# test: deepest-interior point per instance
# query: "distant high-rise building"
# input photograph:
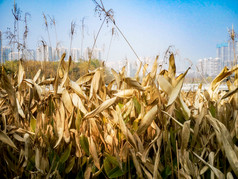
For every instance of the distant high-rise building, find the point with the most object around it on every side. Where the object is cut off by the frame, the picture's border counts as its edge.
(50, 55)
(75, 54)
(14, 56)
(62, 50)
(44, 53)
(209, 66)
(131, 68)
(225, 53)
(41, 54)
(96, 54)
(5, 54)
(29, 54)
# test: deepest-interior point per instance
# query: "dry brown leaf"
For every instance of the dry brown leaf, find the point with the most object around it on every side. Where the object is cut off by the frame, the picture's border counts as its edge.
(17, 137)
(227, 143)
(126, 132)
(185, 136)
(230, 93)
(95, 84)
(20, 111)
(154, 68)
(175, 92)
(172, 67)
(6, 85)
(216, 171)
(56, 83)
(37, 75)
(84, 79)
(229, 176)
(66, 74)
(38, 159)
(21, 73)
(147, 119)
(147, 173)
(127, 93)
(136, 164)
(67, 101)
(157, 157)
(47, 81)
(5, 139)
(211, 162)
(117, 78)
(186, 111)
(134, 84)
(78, 103)
(26, 151)
(60, 117)
(165, 84)
(66, 129)
(137, 72)
(106, 104)
(93, 151)
(76, 88)
(88, 171)
(222, 75)
(145, 69)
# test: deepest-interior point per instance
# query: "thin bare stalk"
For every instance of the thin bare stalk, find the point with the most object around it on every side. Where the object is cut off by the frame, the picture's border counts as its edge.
(201, 75)
(109, 16)
(72, 31)
(47, 29)
(95, 40)
(82, 37)
(52, 22)
(110, 44)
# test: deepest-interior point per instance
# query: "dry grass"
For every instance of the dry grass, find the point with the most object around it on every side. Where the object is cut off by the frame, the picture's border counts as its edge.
(53, 128)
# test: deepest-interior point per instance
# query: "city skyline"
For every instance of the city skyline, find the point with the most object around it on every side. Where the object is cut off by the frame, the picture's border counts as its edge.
(208, 66)
(47, 53)
(193, 28)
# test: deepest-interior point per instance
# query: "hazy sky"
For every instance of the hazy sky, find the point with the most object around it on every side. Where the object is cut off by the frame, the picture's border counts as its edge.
(192, 27)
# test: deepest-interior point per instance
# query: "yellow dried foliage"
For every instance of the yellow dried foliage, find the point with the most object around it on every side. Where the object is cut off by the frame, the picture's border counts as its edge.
(57, 127)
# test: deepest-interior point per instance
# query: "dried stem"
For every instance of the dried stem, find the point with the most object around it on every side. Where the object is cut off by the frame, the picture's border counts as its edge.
(109, 16)
(95, 40)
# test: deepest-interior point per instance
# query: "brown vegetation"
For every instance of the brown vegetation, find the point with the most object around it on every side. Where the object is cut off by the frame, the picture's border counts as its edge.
(54, 126)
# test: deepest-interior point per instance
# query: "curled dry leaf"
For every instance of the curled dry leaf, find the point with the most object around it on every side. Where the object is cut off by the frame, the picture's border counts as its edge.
(126, 132)
(77, 102)
(137, 72)
(21, 73)
(93, 151)
(117, 78)
(95, 84)
(133, 83)
(5, 139)
(84, 79)
(76, 88)
(172, 67)
(216, 171)
(67, 101)
(147, 119)
(185, 136)
(222, 75)
(136, 164)
(60, 118)
(127, 93)
(106, 104)
(227, 143)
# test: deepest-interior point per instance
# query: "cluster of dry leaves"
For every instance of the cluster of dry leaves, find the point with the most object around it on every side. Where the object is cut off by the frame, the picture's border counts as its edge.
(129, 128)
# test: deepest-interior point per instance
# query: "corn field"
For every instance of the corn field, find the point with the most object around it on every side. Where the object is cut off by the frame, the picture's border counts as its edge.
(141, 127)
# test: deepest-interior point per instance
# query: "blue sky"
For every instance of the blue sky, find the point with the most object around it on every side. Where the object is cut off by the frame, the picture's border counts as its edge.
(192, 27)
